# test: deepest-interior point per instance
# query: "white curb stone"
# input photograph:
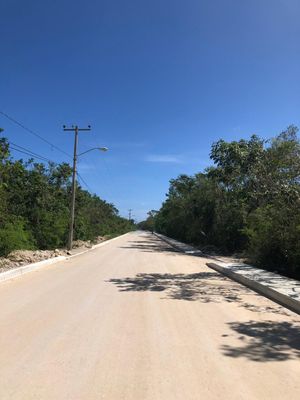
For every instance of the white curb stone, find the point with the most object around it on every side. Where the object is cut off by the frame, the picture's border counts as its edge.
(13, 273)
(278, 288)
(19, 271)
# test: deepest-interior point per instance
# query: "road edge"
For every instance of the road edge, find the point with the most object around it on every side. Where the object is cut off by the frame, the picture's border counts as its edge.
(20, 271)
(272, 294)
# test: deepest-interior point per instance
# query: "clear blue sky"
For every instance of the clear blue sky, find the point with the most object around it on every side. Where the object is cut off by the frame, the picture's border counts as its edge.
(158, 80)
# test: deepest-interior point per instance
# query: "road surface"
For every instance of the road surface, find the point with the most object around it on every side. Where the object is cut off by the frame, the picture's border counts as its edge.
(136, 320)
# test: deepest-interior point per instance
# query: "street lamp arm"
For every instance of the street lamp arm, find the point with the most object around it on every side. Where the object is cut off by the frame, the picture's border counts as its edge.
(94, 148)
(76, 129)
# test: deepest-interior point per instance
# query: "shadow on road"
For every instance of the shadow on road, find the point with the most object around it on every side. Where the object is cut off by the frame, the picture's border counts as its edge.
(151, 245)
(181, 286)
(264, 341)
(206, 287)
(260, 341)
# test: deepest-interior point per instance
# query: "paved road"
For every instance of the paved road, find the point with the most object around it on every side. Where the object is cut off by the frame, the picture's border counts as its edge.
(136, 320)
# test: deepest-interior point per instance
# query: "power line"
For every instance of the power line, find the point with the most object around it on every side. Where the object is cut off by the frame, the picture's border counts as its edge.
(33, 133)
(28, 152)
(23, 150)
(83, 181)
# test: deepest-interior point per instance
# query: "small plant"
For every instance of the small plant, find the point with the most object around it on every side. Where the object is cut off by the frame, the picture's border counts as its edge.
(13, 236)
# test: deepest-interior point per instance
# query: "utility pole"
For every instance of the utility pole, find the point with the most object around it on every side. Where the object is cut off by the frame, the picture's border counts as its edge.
(75, 129)
(129, 214)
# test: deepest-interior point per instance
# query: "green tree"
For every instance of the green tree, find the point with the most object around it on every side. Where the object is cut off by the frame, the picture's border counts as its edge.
(249, 200)
(35, 202)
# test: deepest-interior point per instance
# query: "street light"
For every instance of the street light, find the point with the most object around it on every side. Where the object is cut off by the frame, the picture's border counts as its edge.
(72, 211)
(71, 229)
(94, 148)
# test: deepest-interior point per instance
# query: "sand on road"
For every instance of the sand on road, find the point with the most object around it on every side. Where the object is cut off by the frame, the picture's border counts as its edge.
(137, 320)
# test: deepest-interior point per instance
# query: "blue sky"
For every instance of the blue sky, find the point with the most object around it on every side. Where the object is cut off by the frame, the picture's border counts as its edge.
(159, 81)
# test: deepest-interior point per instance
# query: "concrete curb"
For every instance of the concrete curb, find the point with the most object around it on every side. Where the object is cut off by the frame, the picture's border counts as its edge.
(167, 240)
(19, 271)
(185, 248)
(13, 273)
(282, 290)
(96, 246)
(110, 240)
(259, 287)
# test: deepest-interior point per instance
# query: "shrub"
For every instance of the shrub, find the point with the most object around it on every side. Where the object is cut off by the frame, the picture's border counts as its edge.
(14, 236)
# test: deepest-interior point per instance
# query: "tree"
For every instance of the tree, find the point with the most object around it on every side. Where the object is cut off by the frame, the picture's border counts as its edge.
(249, 201)
(34, 206)
(149, 223)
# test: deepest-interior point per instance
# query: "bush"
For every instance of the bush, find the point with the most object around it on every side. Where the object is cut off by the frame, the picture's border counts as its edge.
(274, 236)
(249, 202)
(13, 236)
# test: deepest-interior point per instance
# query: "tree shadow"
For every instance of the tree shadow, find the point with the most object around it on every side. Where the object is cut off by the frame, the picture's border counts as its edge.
(153, 245)
(205, 287)
(265, 341)
(202, 286)
(274, 309)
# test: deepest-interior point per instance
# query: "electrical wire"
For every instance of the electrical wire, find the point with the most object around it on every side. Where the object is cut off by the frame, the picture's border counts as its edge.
(83, 181)
(29, 152)
(34, 133)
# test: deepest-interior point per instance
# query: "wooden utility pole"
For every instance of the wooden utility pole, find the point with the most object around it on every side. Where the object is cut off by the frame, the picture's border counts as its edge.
(75, 129)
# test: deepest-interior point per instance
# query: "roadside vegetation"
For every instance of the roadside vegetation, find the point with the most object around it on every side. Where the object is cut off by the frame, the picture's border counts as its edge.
(34, 206)
(247, 202)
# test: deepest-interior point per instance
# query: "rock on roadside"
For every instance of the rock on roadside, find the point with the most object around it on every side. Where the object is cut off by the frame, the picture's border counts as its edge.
(18, 258)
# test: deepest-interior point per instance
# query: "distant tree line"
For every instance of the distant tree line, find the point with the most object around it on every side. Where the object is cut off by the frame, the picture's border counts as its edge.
(149, 223)
(34, 206)
(249, 202)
